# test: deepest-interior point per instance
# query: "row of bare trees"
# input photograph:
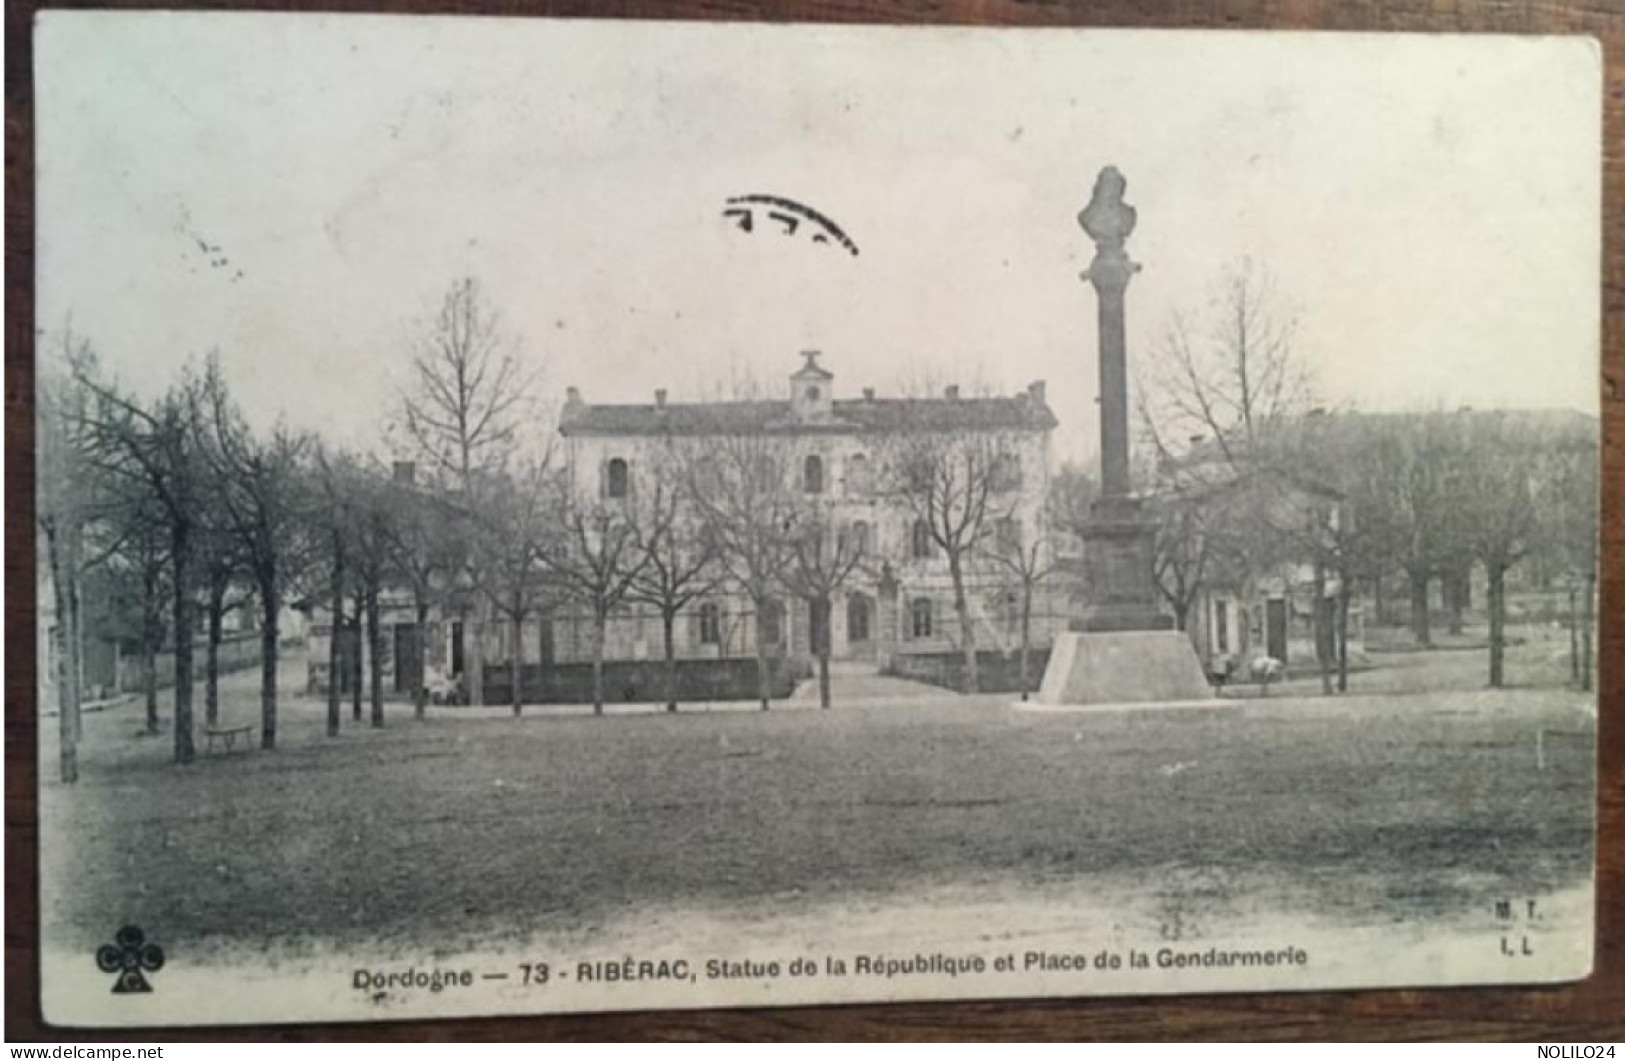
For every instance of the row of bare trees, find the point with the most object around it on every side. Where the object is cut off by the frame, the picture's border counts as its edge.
(177, 504)
(172, 502)
(1249, 475)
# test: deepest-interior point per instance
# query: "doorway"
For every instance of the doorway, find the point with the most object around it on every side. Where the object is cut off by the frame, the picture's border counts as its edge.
(1275, 629)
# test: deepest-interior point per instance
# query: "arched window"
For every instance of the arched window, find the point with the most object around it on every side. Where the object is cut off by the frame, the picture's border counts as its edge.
(857, 618)
(812, 475)
(919, 617)
(617, 480)
(859, 538)
(710, 624)
(857, 474)
(920, 540)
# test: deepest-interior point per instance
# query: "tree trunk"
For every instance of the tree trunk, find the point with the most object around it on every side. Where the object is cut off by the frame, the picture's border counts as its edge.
(1497, 577)
(1026, 638)
(151, 619)
(334, 660)
(819, 614)
(1344, 594)
(149, 679)
(181, 555)
(375, 658)
(420, 693)
(1323, 656)
(1376, 599)
(67, 652)
(764, 687)
(967, 635)
(600, 624)
(270, 654)
(668, 622)
(211, 658)
(474, 657)
(357, 683)
(1574, 637)
(1420, 627)
(516, 634)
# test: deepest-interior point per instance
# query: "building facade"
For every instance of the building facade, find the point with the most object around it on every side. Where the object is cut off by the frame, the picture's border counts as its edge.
(841, 451)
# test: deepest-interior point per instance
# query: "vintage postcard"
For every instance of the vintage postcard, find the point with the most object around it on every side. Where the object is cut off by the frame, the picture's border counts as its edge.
(546, 515)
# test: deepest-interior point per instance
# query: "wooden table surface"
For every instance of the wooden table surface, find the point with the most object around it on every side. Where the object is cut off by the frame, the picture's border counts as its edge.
(1586, 1012)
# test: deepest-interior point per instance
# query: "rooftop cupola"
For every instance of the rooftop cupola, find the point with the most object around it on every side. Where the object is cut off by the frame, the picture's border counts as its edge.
(812, 389)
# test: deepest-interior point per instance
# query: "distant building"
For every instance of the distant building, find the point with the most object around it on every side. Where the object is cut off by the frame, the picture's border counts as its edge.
(898, 603)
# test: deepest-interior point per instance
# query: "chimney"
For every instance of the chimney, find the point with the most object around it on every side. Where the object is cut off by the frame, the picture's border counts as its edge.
(952, 392)
(868, 394)
(405, 472)
(660, 398)
(572, 397)
(1035, 391)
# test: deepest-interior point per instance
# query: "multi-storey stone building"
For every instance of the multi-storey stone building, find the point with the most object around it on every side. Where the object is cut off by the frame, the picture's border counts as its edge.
(899, 602)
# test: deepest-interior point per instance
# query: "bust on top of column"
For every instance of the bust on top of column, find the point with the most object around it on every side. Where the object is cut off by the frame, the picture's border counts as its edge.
(1109, 221)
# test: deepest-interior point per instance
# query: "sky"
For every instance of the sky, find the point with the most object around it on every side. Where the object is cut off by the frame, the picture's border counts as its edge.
(297, 192)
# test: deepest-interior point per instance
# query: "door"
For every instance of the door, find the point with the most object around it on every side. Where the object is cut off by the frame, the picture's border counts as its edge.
(1275, 629)
(457, 648)
(859, 619)
(408, 661)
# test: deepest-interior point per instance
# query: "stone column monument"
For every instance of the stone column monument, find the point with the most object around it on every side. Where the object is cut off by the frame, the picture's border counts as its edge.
(1121, 648)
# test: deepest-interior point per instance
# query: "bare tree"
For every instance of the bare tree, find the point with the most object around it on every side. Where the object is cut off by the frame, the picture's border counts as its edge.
(1183, 548)
(332, 510)
(595, 557)
(153, 448)
(1072, 493)
(822, 556)
(65, 505)
(1423, 465)
(1568, 502)
(219, 565)
(739, 484)
(955, 483)
(1027, 561)
(466, 387)
(462, 409)
(425, 555)
(258, 506)
(511, 515)
(1228, 376)
(371, 515)
(1217, 390)
(679, 564)
(1501, 478)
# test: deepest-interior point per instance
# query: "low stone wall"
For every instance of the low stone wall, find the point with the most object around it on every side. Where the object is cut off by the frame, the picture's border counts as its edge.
(996, 672)
(643, 681)
(238, 651)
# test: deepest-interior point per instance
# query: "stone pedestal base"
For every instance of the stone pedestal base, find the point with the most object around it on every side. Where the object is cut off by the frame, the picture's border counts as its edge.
(1119, 549)
(1128, 667)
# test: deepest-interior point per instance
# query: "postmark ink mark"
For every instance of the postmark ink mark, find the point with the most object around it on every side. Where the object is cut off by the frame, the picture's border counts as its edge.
(129, 957)
(790, 215)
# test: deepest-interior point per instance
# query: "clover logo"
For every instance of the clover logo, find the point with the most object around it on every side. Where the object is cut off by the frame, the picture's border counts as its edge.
(127, 957)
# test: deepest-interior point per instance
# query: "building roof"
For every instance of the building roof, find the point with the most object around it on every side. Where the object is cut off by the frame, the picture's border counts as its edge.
(1022, 412)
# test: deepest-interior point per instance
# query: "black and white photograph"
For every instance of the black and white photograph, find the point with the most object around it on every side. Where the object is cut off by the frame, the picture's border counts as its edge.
(546, 515)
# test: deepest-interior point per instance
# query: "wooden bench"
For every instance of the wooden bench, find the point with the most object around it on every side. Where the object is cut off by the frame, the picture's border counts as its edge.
(228, 735)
